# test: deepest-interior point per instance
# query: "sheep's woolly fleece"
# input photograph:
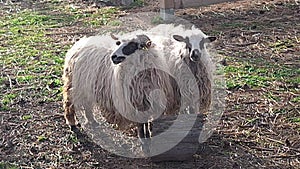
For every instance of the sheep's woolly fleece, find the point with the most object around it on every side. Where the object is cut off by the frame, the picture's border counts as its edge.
(98, 84)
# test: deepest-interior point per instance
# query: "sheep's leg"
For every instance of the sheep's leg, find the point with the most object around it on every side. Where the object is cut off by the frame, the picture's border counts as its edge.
(69, 110)
(141, 130)
(144, 134)
(148, 129)
(69, 113)
(144, 130)
(88, 110)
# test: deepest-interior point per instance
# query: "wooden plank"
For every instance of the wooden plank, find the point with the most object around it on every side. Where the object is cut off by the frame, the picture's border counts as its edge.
(197, 3)
(186, 148)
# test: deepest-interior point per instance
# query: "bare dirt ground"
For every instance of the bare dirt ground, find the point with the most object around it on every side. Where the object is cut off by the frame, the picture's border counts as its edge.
(259, 129)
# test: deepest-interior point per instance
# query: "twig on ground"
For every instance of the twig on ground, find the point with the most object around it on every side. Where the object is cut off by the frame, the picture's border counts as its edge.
(243, 44)
(24, 88)
(10, 82)
(284, 156)
(262, 148)
(277, 141)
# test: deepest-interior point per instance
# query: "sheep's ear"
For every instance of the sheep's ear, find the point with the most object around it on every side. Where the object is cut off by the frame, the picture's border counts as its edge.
(179, 38)
(113, 36)
(210, 39)
(144, 41)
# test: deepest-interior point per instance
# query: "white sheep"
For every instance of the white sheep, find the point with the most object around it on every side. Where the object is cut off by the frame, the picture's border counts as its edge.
(77, 54)
(115, 78)
(191, 52)
(97, 77)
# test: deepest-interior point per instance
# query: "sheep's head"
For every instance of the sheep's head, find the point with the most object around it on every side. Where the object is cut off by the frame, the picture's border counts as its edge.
(129, 47)
(195, 44)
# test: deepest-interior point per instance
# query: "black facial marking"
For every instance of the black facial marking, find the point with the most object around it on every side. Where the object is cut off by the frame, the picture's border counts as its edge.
(189, 46)
(202, 42)
(130, 48)
(117, 59)
(195, 55)
(118, 43)
(185, 40)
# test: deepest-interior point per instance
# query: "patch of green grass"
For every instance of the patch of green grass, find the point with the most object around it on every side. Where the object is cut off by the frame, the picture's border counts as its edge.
(103, 16)
(26, 117)
(245, 75)
(4, 108)
(25, 32)
(137, 3)
(251, 120)
(41, 138)
(280, 45)
(295, 120)
(271, 96)
(34, 59)
(73, 139)
(115, 23)
(6, 165)
(254, 74)
(2, 80)
(29, 18)
(26, 78)
(8, 99)
(157, 20)
(296, 99)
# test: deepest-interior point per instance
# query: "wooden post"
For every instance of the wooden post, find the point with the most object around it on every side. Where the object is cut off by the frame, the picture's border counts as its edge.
(126, 2)
(166, 9)
(167, 3)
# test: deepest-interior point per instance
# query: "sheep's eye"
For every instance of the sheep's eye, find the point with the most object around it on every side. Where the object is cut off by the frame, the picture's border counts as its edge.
(148, 44)
(118, 43)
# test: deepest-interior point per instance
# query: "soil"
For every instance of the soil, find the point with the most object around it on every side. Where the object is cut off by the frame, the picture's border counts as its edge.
(268, 141)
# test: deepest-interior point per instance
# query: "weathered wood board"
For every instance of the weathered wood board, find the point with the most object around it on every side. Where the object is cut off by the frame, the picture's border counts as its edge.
(176, 4)
(187, 147)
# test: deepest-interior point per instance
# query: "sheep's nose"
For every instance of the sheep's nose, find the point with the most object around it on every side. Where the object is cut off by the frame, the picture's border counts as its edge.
(195, 56)
(117, 59)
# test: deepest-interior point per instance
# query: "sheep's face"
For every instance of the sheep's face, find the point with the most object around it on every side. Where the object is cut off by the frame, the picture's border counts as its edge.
(195, 45)
(129, 47)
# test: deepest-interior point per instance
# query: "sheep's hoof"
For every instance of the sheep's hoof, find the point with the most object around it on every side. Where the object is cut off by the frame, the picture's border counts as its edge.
(75, 128)
(146, 145)
(144, 135)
